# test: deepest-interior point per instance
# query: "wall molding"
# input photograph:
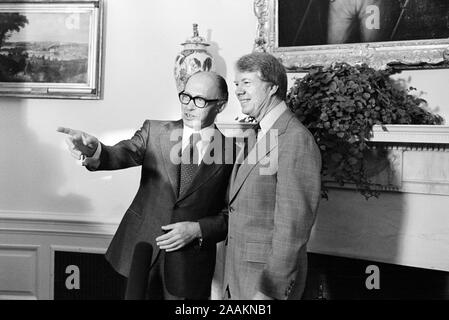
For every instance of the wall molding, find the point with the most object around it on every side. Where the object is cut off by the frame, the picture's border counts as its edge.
(49, 232)
(21, 282)
(35, 222)
(425, 134)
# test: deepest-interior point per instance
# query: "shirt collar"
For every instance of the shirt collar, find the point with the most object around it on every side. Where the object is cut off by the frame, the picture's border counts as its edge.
(206, 133)
(270, 118)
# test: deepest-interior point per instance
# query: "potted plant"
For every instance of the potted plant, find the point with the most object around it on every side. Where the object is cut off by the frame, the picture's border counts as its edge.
(340, 105)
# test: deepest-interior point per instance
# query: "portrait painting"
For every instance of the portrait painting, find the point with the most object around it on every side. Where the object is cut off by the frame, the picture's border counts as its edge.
(320, 22)
(411, 33)
(50, 49)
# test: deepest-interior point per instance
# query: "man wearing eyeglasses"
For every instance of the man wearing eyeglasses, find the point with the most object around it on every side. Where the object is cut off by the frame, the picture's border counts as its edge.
(178, 207)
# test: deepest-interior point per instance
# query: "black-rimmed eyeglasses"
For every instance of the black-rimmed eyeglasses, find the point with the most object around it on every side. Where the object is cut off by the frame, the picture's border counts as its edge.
(199, 102)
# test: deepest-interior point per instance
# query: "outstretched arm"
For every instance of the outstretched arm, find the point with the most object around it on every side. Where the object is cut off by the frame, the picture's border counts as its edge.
(96, 156)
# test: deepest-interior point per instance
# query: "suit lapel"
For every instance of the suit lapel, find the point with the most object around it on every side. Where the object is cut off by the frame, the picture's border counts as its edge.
(241, 172)
(171, 144)
(238, 162)
(254, 157)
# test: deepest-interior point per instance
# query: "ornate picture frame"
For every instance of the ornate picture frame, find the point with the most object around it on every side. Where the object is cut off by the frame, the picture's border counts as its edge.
(51, 49)
(410, 54)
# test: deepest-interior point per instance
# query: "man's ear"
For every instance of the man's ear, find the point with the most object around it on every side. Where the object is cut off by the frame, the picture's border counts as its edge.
(221, 106)
(274, 89)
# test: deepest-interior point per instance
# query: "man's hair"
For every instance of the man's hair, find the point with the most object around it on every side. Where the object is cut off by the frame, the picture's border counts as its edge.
(222, 86)
(219, 81)
(269, 68)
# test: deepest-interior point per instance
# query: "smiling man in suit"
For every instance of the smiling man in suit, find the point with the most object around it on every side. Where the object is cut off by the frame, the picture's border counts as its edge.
(274, 190)
(181, 193)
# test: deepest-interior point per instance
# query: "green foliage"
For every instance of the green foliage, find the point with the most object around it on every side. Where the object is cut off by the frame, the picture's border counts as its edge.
(340, 104)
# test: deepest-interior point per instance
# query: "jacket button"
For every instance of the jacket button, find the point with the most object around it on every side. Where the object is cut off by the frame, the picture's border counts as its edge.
(175, 206)
(231, 209)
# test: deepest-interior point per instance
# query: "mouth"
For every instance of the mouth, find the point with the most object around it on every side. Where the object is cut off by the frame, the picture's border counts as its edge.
(244, 101)
(189, 116)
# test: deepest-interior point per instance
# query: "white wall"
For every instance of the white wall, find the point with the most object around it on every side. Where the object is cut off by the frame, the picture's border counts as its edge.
(142, 40)
(431, 85)
(37, 174)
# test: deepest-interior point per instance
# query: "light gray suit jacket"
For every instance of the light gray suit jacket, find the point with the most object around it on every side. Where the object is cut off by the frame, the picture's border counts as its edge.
(272, 206)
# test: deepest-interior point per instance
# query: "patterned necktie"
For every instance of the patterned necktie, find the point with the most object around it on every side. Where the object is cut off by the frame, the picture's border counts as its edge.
(189, 163)
(252, 140)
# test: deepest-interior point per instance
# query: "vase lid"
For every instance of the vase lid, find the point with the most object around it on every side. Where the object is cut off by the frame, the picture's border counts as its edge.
(196, 39)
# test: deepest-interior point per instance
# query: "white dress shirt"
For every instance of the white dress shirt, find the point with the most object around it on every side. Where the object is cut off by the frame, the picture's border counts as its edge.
(206, 135)
(270, 118)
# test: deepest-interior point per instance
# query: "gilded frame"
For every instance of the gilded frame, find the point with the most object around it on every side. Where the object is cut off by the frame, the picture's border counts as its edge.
(418, 54)
(64, 62)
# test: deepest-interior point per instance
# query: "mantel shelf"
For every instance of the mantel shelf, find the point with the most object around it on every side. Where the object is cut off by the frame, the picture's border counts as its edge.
(425, 134)
(411, 134)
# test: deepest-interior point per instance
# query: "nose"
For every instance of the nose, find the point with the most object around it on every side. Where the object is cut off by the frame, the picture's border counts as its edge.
(239, 90)
(190, 105)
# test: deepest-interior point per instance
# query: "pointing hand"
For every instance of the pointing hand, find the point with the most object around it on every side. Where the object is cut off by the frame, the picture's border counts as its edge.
(79, 143)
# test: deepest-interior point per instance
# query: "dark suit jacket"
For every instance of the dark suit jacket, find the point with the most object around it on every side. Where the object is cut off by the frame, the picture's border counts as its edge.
(188, 271)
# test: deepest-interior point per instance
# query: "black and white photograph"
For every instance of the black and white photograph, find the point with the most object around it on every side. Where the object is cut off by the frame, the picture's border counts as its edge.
(224, 159)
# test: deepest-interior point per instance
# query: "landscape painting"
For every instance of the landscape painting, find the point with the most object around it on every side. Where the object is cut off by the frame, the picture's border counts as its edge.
(50, 47)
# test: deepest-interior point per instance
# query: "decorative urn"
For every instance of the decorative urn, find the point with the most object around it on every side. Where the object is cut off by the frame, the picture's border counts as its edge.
(193, 58)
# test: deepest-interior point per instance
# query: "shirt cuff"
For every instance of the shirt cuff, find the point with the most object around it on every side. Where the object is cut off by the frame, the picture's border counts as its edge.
(94, 160)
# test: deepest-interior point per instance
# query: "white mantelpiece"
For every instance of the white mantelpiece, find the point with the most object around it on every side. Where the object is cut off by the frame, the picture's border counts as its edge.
(411, 134)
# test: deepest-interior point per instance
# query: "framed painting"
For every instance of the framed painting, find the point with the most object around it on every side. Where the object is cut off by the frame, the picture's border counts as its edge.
(51, 49)
(406, 34)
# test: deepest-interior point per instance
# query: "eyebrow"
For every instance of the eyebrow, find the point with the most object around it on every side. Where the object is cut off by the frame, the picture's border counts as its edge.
(244, 79)
(197, 96)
